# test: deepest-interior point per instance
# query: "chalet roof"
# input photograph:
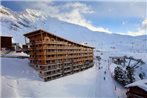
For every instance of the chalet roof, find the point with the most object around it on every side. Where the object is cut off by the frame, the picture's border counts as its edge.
(6, 36)
(30, 33)
(141, 84)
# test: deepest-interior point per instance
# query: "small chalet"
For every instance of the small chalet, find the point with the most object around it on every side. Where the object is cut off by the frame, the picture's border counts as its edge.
(6, 42)
(137, 89)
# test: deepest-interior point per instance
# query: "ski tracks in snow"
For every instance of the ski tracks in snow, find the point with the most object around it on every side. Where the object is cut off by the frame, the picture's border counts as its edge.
(103, 84)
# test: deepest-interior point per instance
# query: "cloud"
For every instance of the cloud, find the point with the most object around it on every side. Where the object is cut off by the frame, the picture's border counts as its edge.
(75, 16)
(79, 13)
(71, 12)
(144, 25)
(121, 9)
(142, 30)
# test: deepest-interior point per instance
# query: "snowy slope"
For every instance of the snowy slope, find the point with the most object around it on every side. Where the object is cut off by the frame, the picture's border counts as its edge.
(16, 24)
(20, 80)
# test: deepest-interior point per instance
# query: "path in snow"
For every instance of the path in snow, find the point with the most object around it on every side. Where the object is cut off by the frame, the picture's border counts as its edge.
(104, 81)
(119, 89)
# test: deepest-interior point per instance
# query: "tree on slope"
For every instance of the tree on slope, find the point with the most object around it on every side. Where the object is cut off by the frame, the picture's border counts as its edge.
(121, 76)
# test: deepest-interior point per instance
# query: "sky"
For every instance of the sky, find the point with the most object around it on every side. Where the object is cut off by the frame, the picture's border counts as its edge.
(120, 17)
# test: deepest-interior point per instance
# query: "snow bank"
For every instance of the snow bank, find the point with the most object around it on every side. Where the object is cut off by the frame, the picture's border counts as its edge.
(15, 54)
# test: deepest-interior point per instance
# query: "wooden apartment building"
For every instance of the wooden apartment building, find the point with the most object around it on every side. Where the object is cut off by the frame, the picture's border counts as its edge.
(53, 56)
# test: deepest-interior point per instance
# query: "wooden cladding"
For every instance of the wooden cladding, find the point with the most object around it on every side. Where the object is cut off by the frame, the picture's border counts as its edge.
(55, 57)
(6, 42)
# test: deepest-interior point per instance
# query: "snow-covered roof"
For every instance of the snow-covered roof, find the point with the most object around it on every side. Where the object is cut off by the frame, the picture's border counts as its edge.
(14, 54)
(5, 36)
(141, 84)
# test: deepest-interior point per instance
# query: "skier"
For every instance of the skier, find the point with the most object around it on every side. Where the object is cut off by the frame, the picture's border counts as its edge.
(99, 67)
(105, 72)
(115, 87)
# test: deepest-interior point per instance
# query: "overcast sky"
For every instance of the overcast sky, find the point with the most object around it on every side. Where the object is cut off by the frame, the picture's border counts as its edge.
(123, 17)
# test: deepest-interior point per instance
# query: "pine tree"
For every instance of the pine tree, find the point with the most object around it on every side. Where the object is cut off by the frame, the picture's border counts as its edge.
(121, 76)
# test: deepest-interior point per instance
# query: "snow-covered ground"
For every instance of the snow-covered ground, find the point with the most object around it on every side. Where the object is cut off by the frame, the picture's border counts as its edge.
(15, 54)
(20, 80)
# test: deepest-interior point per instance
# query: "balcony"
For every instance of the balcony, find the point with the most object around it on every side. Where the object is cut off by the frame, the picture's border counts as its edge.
(51, 75)
(50, 70)
(67, 71)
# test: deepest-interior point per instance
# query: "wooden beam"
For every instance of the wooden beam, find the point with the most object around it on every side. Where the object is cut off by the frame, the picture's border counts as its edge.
(129, 62)
(42, 47)
(136, 64)
(124, 61)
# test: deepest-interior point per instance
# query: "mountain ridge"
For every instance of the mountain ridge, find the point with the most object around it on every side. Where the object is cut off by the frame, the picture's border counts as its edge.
(29, 20)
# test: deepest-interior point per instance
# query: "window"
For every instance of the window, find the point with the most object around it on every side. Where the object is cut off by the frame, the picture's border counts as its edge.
(49, 67)
(48, 73)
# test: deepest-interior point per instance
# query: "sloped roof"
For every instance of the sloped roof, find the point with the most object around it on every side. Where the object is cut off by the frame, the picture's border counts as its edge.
(141, 84)
(30, 33)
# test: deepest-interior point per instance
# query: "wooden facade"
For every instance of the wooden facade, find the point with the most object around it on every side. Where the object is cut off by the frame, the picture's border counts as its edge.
(56, 57)
(6, 42)
(136, 92)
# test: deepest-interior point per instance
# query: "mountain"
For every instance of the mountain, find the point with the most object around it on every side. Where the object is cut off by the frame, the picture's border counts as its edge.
(16, 24)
